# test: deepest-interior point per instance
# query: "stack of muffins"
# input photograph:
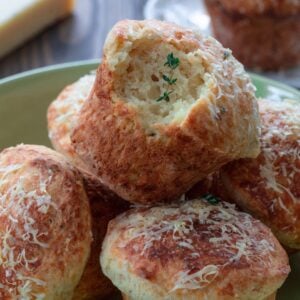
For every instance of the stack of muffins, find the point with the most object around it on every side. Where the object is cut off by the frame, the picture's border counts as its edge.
(168, 109)
(196, 248)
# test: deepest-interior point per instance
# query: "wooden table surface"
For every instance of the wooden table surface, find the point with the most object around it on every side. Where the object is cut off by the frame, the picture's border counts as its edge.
(78, 37)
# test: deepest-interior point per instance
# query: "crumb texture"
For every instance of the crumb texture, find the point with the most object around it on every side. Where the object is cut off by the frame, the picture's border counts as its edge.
(144, 70)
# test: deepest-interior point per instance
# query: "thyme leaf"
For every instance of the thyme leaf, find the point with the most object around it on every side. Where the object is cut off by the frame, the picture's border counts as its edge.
(169, 80)
(226, 54)
(165, 96)
(172, 62)
(211, 199)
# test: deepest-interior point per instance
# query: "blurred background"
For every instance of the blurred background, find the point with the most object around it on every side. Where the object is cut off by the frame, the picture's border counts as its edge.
(77, 37)
(266, 41)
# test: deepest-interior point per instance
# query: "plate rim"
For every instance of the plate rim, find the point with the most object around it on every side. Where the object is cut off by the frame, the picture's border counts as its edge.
(91, 62)
(49, 69)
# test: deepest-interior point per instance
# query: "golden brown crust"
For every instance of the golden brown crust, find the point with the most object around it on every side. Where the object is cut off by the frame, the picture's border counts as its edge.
(193, 250)
(142, 166)
(269, 186)
(263, 42)
(258, 7)
(62, 114)
(45, 224)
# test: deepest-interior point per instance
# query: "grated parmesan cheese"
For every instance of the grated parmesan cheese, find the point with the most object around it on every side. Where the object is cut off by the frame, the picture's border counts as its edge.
(228, 233)
(17, 200)
(280, 143)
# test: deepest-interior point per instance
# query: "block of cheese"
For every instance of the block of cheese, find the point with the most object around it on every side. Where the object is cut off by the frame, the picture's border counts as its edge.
(21, 19)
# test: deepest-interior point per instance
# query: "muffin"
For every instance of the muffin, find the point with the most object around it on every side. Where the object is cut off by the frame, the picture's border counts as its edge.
(168, 107)
(62, 114)
(268, 187)
(193, 250)
(45, 224)
(262, 34)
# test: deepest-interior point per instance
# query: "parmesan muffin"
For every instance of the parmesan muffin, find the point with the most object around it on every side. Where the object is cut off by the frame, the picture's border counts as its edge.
(269, 187)
(168, 107)
(263, 34)
(193, 250)
(45, 224)
(62, 114)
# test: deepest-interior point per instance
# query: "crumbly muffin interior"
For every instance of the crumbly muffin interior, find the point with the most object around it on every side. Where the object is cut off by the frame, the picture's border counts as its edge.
(140, 81)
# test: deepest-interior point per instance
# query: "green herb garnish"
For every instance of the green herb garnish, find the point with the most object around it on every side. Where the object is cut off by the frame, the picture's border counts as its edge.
(165, 96)
(169, 80)
(226, 54)
(223, 110)
(172, 62)
(211, 199)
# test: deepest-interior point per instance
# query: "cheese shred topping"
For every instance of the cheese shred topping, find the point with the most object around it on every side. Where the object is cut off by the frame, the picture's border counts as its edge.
(200, 229)
(21, 241)
(280, 142)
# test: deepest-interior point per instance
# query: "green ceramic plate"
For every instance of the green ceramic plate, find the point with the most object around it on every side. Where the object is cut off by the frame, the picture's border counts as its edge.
(24, 99)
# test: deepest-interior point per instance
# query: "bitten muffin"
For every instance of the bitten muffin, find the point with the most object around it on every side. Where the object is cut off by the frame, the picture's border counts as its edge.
(269, 187)
(62, 114)
(262, 34)
(193, 250)
(168, 107)
(105, 206)
(45, 224)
